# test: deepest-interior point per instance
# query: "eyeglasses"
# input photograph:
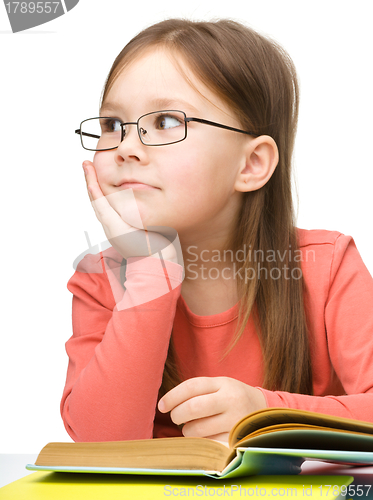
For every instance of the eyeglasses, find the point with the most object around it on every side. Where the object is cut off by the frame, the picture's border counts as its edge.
(158, 128)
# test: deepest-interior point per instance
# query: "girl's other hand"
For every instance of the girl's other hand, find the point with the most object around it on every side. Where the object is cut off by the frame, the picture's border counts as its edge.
(210, 406)
(120, 218)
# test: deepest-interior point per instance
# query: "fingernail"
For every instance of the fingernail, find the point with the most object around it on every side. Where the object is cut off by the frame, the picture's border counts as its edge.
(85, 169)
(161, 406)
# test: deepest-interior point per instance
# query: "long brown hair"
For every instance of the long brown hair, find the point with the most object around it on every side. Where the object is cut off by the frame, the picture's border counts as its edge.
(257, 79)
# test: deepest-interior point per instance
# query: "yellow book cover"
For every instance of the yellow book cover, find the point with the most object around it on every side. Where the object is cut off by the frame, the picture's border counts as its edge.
(71, 486)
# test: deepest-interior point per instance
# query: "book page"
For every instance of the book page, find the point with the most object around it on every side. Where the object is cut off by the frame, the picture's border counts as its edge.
(275, 416)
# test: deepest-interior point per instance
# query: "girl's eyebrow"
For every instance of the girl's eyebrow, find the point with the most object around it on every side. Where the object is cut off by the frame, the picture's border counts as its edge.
(157, 104)
(176, 103)
(109, 106)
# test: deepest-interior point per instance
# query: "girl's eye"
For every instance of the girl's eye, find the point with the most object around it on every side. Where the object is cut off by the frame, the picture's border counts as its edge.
(110, 125)
(164, 122)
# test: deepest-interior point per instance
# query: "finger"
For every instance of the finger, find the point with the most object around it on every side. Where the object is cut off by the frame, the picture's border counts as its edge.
(196, 408)
(109, 218)
(105, 213)
(124, 203)
(93, 187)
(123, 237)
(85, 165)
(186, 390)
(206, 427)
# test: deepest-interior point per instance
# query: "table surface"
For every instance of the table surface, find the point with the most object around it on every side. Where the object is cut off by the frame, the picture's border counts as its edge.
(12, 467)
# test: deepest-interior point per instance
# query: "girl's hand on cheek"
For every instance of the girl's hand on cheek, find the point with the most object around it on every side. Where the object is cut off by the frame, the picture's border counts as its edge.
(210, 406)
(111, 210)
(114, 226)
(93, 187)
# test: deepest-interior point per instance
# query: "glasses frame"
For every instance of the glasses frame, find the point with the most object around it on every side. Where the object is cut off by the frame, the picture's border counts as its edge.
(186, 121)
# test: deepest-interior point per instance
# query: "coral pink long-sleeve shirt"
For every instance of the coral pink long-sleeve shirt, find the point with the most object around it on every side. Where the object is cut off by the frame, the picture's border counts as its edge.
(120, 340)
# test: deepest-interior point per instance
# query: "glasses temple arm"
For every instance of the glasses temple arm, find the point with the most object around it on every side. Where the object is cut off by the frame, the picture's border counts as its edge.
(86, 134)
(214, 124)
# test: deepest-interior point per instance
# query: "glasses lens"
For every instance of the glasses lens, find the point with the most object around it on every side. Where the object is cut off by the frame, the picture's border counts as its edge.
(162, 127)
(100, 133)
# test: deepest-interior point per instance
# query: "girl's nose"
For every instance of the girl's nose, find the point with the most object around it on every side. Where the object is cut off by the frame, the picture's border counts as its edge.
(131, 148)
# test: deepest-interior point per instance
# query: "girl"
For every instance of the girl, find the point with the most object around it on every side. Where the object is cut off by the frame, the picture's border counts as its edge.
(196, 133)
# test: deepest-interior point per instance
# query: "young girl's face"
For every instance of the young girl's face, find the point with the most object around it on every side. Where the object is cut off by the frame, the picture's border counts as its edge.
(193, 181)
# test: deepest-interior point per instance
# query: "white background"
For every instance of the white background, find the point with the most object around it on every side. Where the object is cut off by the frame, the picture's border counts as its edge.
(51, 79)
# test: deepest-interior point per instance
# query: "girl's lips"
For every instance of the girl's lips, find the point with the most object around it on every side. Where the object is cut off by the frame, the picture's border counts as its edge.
(135, 185)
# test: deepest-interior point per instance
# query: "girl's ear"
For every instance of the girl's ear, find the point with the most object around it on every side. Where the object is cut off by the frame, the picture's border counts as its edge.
(259, 163)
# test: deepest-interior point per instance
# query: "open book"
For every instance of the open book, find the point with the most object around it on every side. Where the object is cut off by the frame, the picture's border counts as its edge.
(270, 441)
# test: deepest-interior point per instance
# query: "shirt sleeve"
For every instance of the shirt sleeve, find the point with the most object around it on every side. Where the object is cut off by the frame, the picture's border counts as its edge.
(118, 348)
(348, 316)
